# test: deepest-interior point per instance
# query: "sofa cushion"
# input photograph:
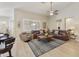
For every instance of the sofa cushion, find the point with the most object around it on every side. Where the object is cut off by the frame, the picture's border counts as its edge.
(25, 36)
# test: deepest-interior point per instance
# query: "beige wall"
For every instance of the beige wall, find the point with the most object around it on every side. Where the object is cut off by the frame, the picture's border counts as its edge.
(20, 15)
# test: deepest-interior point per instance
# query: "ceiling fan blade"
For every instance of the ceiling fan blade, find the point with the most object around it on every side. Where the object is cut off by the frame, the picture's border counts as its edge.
(56, 13)
(56, 10)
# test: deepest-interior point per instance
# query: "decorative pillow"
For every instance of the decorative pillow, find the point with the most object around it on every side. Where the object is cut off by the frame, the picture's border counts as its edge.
(56, 32)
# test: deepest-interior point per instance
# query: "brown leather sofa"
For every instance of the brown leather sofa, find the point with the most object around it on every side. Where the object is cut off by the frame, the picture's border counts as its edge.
(63, 35)
(35, 34)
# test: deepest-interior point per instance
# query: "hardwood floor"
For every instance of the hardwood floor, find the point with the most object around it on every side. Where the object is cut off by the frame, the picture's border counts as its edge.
(69, 49)
(22, 49)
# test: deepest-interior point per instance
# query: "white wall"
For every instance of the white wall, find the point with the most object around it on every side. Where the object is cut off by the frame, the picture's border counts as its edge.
(70, 11)
(52, 23)
(5, 12)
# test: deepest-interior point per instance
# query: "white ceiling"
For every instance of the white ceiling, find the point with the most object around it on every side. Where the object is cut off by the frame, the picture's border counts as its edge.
(35, 7)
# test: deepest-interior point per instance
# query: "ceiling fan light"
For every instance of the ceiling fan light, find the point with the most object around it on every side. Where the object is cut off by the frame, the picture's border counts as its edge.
(51, 13)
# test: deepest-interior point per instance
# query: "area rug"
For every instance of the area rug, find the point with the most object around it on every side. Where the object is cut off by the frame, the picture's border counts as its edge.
(43, 46)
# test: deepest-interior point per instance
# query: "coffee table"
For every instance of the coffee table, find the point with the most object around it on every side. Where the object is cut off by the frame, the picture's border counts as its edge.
(47, 37)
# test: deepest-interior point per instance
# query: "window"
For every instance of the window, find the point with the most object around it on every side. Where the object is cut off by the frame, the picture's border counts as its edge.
(3, 26)
(29, 25)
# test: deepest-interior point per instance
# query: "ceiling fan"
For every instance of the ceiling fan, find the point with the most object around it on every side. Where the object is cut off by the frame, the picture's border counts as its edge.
(52, 12)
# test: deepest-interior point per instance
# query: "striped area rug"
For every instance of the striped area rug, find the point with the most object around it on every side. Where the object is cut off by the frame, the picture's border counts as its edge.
(43, 46)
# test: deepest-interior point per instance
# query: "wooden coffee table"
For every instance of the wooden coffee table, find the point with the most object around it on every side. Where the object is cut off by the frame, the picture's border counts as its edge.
(48, 37)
